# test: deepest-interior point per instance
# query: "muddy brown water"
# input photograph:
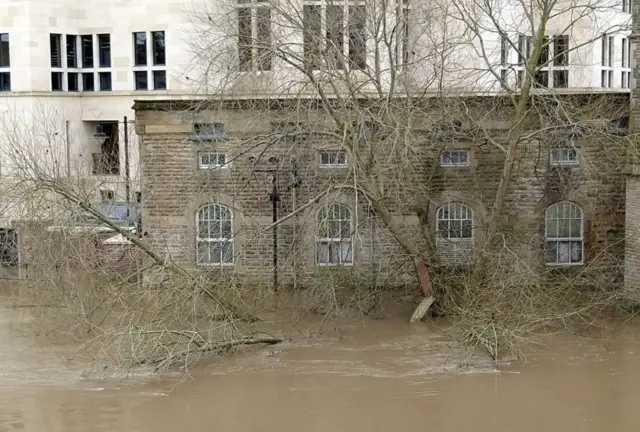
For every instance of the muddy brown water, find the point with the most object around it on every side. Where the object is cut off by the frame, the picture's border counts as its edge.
(382, 376)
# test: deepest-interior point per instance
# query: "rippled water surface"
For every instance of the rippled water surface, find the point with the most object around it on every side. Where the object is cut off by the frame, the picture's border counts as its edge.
(385, 376)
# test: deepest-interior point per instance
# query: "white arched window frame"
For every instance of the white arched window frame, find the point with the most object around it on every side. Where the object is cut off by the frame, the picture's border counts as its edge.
(454, 221)
(214, 235)
(564, 233)
(334, 243)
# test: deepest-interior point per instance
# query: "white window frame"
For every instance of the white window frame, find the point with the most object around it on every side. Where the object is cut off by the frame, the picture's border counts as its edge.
(522, 53)
(254, 6)
(461, 213)
(213, 155)
(80, 70)
(149, 68)
(607, 61)
(403, 34)
(560, 156)
(221, 239)
(625, 62)
(336, 154)
(450, 164)
(338, 241)
(7, 69)
(345, 5)
(557, 239)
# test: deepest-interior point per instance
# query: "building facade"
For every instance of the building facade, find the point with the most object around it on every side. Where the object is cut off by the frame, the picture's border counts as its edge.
(208, 197)
(72, 79)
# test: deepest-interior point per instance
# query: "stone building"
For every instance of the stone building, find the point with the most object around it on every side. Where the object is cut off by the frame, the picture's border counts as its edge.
(210, 170)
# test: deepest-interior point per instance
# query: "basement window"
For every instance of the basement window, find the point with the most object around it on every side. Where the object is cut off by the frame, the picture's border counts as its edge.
(565, 156)
(211, 160)
(454, 158)
(210, 131)
(333, 159)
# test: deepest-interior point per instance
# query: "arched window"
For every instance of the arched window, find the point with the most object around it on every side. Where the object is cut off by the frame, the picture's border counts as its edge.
(333, 242)
(564, 232)
(214, 239)
(455, 221)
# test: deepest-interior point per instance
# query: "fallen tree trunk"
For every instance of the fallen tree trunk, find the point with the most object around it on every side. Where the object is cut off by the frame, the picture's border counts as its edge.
(427, 291)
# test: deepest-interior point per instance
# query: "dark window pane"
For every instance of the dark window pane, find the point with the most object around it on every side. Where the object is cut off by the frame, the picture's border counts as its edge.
(104, 50)
(56, 81)
(159, 80)
(72, 51)
(72, 81)
(335, 36)
(141, 79)
(88, 81)
(245, 53)
(541, 79)
(357, 37)
(105, 81)
(8, 248)
(159, 52)
(561, 51)
(544, 54)
(55, 50)
(87, 50)
(312, 35)
(140, 48)
(5, 81)
(561, 79)
(5, 60)
(264, 39)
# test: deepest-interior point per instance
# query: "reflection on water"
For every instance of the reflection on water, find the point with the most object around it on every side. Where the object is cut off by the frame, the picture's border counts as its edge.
(383, 377)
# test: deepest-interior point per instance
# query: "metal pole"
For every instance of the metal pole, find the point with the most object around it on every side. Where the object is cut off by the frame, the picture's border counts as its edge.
(274, 202)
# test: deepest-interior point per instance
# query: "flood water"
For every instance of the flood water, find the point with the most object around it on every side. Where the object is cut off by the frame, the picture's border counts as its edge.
(382, 376)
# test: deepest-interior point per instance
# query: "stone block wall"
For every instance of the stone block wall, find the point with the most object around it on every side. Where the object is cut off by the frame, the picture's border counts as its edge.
(415, 186)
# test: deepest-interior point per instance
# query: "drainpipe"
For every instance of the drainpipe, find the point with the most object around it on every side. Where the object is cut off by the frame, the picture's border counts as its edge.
(127, 180)
(274, 197)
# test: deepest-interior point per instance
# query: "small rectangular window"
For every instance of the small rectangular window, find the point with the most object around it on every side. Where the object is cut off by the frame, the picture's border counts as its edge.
(88, 82)
(86, 42)
(561, 78)
(105, 81)
(626, 6)
(159, 80)
(55, 48)
(5, 57)
(140, 49)
(312, 35)
(333, 159)
(524, 48)
(209, 160)
(72, 51)
(72, 81)
(106, 196)
(561, 51)
(564, 156)
(141, 79)
(358, 37)
(263, 27)
(5, 81)
(454, 158)
(57, 81)
(541, 78)
(504, 50)
(104, 50)
(210, 131)
(159, 52)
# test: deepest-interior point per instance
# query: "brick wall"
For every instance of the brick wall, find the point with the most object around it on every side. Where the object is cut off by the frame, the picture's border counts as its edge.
(632, 214)
(414, 187)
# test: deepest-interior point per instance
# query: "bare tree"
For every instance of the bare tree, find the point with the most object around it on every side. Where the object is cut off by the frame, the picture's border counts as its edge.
(395, 83)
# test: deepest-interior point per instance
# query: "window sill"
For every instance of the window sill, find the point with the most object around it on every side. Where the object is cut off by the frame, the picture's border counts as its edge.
(321, 265)
(218, 265)
(561, 265)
